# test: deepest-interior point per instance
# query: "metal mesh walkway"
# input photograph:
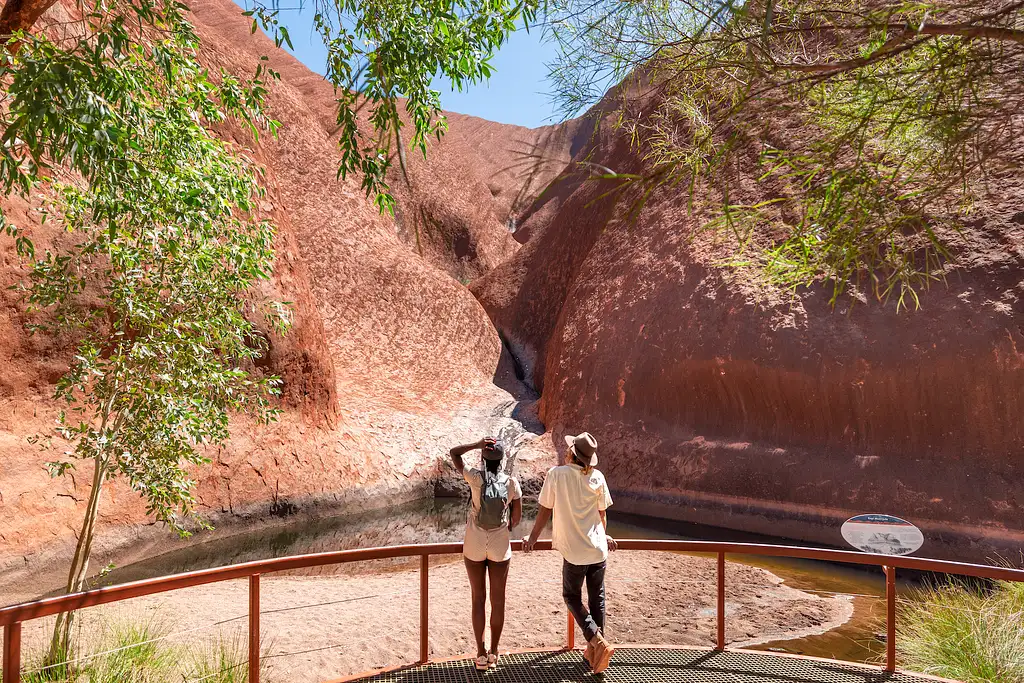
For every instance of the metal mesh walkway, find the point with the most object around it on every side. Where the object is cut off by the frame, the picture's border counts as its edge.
(649, 665)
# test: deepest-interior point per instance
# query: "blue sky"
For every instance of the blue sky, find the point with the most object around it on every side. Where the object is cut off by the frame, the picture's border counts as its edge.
(517, 93)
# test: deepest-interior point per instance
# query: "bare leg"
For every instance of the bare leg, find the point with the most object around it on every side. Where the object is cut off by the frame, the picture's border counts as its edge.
(498, 574)
(477, 572)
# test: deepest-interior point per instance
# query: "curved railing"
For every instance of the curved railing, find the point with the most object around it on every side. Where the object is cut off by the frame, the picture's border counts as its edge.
(12, 617)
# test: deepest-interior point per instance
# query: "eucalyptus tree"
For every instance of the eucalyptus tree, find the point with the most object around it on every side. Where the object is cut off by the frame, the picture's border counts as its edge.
(872, 122)
(159, 241)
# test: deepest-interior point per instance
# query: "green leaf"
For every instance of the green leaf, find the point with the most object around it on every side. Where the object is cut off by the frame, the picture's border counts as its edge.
(285, 37)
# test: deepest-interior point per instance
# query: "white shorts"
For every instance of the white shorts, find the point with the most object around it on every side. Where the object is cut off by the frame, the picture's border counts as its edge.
(483, 544)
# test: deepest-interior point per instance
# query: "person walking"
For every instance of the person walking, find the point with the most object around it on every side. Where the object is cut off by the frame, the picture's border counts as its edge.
(576, 496)
(495, 508)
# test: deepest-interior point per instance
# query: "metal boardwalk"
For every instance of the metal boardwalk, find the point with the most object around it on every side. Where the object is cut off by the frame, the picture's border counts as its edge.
(649, 665)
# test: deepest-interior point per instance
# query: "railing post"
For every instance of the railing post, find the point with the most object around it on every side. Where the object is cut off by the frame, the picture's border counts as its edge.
(890, 618)
(254, 628)
(12, 653)
(720, 642)
(570, 633)
(424, 606)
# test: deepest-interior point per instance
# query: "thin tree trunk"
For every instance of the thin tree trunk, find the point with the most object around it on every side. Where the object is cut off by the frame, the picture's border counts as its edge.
(61, 641)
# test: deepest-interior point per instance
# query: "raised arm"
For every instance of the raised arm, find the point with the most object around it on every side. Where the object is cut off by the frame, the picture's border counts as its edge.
(543, 515)
(460, 451)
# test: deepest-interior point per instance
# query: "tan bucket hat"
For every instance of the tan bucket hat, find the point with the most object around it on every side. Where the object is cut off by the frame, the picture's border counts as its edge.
(584, 446)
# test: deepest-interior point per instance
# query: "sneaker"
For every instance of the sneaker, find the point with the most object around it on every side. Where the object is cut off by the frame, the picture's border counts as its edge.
(603, 651)
(481, 663)
(492, 660)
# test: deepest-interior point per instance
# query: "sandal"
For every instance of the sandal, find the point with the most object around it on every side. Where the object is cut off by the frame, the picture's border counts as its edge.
(481, 663)
(492, 660)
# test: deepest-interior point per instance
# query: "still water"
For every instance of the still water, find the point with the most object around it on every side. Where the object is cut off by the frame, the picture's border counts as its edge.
(443, 520)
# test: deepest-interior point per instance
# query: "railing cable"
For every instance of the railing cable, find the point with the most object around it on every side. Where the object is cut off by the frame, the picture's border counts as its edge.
(186, 679)
(175, 634)
(94, 655)
(338, 602)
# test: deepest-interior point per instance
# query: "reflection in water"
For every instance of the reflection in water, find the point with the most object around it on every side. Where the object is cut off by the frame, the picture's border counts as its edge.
(432, 521)
(443, 520)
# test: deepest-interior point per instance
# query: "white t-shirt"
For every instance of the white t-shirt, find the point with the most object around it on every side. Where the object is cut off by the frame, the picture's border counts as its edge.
(577, 499)
(486, 544)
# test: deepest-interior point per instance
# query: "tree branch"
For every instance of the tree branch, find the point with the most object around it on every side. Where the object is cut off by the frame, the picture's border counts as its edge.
(970, 31)
(966, 31)
(21, 15)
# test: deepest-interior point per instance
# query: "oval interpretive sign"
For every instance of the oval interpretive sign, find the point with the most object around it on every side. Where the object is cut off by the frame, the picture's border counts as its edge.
(882, 534)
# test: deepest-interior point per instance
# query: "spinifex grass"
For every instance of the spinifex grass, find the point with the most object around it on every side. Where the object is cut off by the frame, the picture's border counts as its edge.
(130, 651)
(223, 661)
(965, 631)
(137, 654)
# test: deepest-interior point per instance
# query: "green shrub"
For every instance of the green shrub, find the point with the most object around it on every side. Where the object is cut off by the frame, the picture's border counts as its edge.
(130, 651)
(965, 631)
(223, 661)
(137, 654)
(57, 673)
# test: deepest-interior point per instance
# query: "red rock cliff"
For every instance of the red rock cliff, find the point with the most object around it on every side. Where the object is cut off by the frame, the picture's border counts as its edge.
(391, 361)
(718, 403)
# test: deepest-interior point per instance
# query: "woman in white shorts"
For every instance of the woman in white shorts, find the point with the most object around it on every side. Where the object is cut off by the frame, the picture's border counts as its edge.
(495, 507)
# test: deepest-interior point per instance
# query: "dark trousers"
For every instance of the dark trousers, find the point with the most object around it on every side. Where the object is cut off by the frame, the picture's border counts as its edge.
(573, 577)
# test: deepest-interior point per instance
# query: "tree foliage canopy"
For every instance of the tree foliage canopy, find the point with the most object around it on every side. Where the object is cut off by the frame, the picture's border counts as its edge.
(161, 240)
(873, 122)
(383, 50)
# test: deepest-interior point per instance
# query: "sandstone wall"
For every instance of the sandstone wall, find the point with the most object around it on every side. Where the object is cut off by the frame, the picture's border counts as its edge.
(392, 360)
(718, 402)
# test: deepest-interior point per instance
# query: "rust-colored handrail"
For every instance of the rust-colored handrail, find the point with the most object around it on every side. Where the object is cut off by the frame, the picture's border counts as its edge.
(720, 604)
(424, 607)
(11, 617)
(254, 628)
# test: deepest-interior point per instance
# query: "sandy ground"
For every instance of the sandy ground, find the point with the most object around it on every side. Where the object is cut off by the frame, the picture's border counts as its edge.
(322, 627)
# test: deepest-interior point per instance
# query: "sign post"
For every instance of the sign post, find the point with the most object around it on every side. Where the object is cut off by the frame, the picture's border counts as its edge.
(885, 535)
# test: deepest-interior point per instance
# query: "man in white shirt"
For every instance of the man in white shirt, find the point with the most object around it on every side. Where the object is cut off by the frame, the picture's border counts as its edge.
(576, 495)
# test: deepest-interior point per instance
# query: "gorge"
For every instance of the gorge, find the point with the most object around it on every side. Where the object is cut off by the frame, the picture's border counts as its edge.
(713, 400)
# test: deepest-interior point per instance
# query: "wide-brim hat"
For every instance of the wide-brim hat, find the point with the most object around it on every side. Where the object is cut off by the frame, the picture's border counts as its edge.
(584, 446)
